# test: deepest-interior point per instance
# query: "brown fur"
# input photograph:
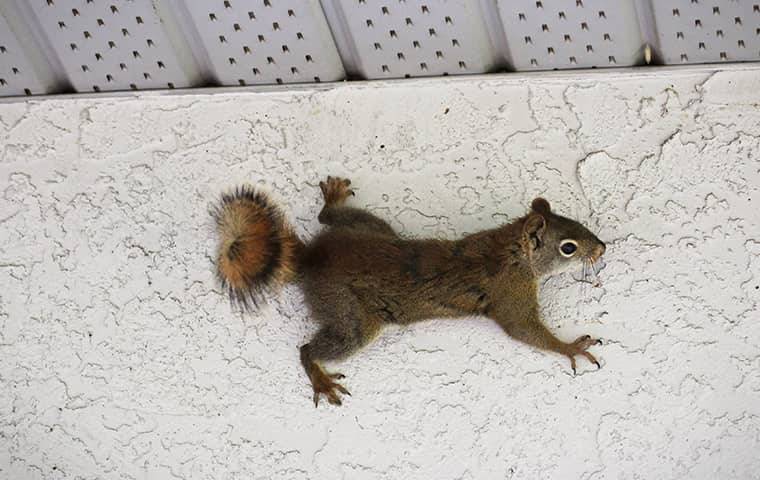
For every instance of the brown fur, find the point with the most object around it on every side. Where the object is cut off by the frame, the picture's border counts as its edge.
(358, 276)
(257, 248)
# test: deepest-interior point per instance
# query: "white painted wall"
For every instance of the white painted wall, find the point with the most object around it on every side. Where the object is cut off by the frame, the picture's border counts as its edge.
(119, 357)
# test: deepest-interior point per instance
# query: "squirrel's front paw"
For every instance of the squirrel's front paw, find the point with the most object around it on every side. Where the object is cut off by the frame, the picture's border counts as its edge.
(580, 347)
(335, 190)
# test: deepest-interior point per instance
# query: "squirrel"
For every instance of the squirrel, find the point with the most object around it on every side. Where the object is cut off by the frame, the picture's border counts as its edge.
(358, 275)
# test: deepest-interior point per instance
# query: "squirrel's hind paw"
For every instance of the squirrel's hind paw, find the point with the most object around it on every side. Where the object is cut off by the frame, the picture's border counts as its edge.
(323, 384)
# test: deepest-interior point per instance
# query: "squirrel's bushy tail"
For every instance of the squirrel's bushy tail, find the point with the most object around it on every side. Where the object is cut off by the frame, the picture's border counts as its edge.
(258, 249)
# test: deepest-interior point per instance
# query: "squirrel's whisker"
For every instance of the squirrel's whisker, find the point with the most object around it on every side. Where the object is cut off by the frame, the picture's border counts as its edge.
(595, 273)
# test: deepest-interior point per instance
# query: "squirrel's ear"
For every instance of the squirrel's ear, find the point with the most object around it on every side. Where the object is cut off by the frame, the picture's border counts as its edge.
(534, 229)
(541, 205)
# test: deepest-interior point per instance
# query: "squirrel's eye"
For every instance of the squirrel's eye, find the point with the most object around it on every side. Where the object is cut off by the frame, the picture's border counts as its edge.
(568, 247)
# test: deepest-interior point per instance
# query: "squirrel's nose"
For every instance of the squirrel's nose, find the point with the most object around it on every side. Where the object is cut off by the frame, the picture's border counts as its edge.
(600, 249)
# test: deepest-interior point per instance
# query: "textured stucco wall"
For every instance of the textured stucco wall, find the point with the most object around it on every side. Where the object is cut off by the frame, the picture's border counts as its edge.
(120, 358)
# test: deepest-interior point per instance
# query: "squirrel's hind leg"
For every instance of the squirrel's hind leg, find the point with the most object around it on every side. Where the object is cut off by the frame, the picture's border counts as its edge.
(336, 214)
(334, 341)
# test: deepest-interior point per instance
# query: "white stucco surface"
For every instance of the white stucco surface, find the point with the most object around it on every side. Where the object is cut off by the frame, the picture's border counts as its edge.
(121, 358)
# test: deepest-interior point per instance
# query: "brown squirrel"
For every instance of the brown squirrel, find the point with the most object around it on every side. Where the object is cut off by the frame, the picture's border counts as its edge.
(359, 275)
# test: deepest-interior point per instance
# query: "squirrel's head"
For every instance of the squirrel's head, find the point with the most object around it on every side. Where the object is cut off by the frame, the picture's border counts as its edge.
(555, 244)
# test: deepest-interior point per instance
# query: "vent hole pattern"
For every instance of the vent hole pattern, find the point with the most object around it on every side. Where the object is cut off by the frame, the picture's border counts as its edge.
(114, 34)
(571, 34)
(278, 27)
(420, 38)
(401, 35)
(705, 32)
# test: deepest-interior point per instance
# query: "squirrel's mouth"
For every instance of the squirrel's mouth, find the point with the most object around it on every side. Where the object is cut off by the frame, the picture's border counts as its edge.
(597, 253)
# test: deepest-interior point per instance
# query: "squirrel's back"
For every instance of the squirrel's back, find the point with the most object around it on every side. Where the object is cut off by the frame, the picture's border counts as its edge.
(258, 249)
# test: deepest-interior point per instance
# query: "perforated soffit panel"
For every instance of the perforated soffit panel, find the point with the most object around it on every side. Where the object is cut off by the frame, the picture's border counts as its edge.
(17, 76)
(277, 41)
(700, 31)
(49, 46)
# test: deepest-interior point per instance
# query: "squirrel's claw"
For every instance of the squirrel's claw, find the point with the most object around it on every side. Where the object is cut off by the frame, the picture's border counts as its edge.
(580, 347)
(335, 190)
(323, 384)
